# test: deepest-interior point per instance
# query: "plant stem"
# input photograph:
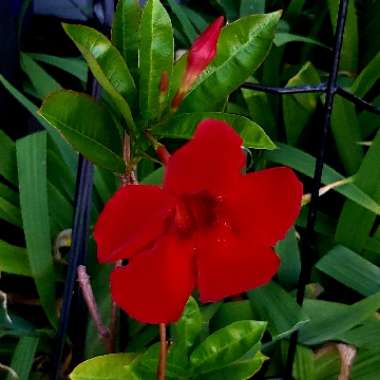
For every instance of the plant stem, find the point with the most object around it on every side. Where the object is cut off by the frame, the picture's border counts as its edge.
(88, 295)
(163, 353)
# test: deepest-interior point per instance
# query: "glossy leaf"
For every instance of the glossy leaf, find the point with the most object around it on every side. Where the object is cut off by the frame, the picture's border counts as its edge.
(156, 56)
(99, 141)
(106, 367)
(43, 83)
(183, 126)
(355, 235)
(241, 48)
(31, 163)
(230, 312)
(107, 65)
(187, 329)
(125, 31)
(299, 108)
(305, 163)
(328, 321)
(226, 346)
(242, 369)
(357, 273)
(14, 260)
(23, 357)
(273, 304)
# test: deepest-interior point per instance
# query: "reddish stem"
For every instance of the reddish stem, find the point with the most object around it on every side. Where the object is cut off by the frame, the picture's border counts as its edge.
(88, 295)
(163, 353)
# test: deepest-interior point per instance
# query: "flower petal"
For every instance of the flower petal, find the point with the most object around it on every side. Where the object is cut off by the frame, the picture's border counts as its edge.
(130, 221)
(228, 264)
(211, 161)
(265, 204)
(156, 284)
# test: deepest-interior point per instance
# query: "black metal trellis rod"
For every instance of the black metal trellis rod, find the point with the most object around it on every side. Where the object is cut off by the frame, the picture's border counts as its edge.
(81, 224)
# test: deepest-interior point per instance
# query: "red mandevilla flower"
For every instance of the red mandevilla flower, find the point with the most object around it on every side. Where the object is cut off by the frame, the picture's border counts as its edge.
(209, 227)
(201, 53)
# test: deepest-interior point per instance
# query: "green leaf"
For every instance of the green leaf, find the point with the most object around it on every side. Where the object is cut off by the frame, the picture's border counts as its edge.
(327, 321)
(230, 8)
(347, 134)
(125, 31)
(367, 78)
(281, 39)
(230, 312)
(299, 108)
(186, 25)
(8, 167)
(67, 153)
(107, 65)
(248, 7)
(304, 366)
(99, 141)
(241, 369)
(188, 328)
(14, 260)
(226, 346)
(72, 65)
(349, 55)
(242, 47)
(196, 18)
(105, 367)
(260, 111)
(42, 82)
(183, 126)
(23, 357)
(9, 212)
(31, 162)
(357, 273)
(305, 163)
(273, 304)
(355, 235)
(364, 336)
(156, 56)
(290, 268)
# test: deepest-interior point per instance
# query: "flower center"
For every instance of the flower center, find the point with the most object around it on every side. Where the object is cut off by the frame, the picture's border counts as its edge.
(194, 212)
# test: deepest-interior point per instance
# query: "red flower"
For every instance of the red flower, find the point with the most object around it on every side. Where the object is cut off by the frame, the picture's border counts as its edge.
(201, 53)
(209, 227)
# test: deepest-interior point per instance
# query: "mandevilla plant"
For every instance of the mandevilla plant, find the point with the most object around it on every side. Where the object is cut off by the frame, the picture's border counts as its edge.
(209, 227)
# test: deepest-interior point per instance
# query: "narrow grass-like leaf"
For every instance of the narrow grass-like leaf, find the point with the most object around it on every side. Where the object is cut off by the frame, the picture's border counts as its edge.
(355, 235)
(156, 56)
(186, 25)
(99, 141)
(357, 273)
(305, 163)
(329, 322)
(281, 39)
(23, 357)
(183, 126)
(241, 48)
(273, 304)
(14, 260)
(72, 65)
(42, 82)
(8, 168)
(364, 336)
(67, 153)
(31, 162)
(299, 108)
